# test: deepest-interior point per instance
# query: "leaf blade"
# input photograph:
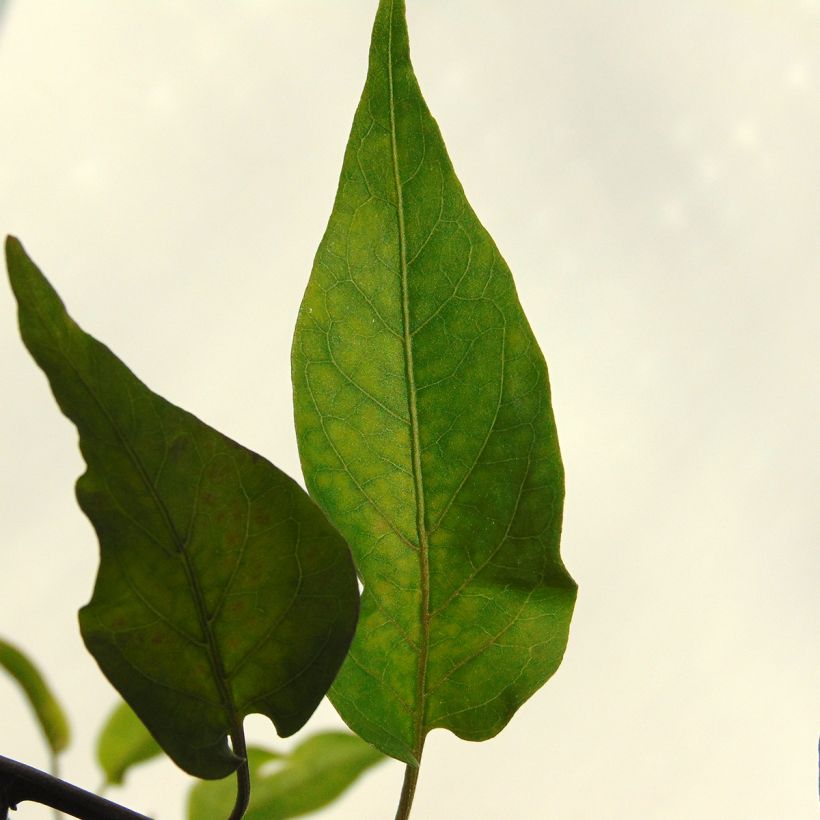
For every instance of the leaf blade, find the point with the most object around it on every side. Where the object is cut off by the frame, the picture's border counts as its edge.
(47, 709)
(313, 775)
(210, 556)
(426, 433)
(124, 742)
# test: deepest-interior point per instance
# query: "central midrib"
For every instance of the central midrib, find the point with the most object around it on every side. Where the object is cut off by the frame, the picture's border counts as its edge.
(199, 597)
(415, 442)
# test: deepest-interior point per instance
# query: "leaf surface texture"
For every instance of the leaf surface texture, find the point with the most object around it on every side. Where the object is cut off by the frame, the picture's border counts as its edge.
(426, 432)
(222, 589)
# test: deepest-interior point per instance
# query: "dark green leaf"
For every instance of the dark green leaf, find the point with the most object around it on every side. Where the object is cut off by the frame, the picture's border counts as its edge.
(222, 589)
(426, 433)
(314, 774)
(124, 742)
(50, 714)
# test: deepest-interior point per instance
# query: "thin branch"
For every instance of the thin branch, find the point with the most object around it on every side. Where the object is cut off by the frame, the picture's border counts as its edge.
(19, 783)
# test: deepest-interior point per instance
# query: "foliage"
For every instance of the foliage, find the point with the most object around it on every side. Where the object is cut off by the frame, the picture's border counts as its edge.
(222, 589)
(429, 448)
(303, 781)
(314, 774)
(426, 433)
(47, 709)
(123, 743)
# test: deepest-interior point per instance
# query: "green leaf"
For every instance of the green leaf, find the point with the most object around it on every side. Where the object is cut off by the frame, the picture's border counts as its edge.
(222, 589)
(314, 774)
(124, 742)
(426, 433)
(50, 714)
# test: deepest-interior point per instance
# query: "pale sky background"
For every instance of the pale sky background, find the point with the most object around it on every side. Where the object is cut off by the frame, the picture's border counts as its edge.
(651, 172)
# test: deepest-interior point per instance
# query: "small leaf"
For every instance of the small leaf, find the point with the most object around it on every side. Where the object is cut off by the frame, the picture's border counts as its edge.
(426, 433)
(124, 742)
(222, 589)
(314, 774)
(50, 714)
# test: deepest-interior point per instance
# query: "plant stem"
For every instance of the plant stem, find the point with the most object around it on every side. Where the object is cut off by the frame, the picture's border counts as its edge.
(243, 775)
(54, 768)
(19, 783)
(408, 791)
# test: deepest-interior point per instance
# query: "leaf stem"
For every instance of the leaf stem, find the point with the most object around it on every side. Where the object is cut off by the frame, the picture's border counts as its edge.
(243, 775)
(54, 768)
(408, 791)
(19, 783)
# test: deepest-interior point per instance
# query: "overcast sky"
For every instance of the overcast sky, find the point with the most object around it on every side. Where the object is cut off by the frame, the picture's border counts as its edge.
(651, 172)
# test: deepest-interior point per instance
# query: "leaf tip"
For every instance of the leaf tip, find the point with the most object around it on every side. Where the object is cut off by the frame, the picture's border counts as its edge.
(13, 248)
(18, 263)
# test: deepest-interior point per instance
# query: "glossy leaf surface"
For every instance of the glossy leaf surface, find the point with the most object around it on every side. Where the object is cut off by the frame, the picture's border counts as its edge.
(222, 589)
(426, 433)
(124, 742)
(314, 774)
(46, 707)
